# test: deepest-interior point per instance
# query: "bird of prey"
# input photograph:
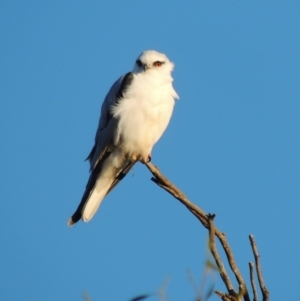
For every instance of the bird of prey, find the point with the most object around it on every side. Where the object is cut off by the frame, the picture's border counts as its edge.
(134, 115)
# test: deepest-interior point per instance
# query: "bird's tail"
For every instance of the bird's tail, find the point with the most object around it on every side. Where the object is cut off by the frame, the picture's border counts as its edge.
(95, 198)
(102, 180)
(96, 190)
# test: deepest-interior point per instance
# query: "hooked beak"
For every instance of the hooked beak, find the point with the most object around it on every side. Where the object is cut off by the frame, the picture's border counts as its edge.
(146, 67)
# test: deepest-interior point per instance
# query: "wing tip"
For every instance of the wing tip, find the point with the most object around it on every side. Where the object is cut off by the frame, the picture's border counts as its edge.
(71, 222)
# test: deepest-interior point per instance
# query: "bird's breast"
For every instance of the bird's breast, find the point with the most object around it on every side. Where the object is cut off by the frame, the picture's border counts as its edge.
(143, 115)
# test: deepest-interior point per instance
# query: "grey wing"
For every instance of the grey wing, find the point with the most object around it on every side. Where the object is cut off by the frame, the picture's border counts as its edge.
(104, 143)
(104, 139)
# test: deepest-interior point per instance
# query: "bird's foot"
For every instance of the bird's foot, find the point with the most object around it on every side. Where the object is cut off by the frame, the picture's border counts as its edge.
(146, 160)
(135, 158)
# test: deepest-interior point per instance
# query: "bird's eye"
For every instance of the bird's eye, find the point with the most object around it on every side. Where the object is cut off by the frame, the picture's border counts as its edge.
(139, 63)
(158, 64)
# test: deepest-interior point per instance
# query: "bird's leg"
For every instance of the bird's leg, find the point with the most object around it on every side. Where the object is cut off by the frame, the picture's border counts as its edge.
(144, 160)
(134, 158)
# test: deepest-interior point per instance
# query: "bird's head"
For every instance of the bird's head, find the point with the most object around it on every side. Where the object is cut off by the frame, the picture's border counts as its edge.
(151, 60)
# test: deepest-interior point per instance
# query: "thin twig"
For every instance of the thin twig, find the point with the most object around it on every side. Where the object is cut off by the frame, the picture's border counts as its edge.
(225, 297)
(261, 282)
(216, 255)
(251, 266)
(242, 286)
(164, 183)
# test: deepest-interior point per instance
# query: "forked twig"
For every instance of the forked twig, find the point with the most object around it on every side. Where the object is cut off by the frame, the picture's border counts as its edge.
(261, 282)
(225, 297)
(164, 183)
(216, 255)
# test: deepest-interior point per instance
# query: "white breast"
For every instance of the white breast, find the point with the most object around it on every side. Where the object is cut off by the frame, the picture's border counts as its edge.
(144, 113)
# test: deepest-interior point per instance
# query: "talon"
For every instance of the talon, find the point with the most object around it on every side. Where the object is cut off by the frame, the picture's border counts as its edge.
(134, 158)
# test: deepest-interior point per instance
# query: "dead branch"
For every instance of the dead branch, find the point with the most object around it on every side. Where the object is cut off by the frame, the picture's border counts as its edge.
(207, 222)
(216, 255)
(225, 297)
(261, 282)
(251, 266)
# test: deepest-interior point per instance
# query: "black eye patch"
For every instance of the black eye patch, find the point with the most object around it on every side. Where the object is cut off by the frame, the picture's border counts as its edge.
(139, 63)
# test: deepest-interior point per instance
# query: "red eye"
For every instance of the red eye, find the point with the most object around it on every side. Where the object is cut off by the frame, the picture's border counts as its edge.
(157, 64)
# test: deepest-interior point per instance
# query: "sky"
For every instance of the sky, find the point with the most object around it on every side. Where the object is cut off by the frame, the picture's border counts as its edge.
(232, 146)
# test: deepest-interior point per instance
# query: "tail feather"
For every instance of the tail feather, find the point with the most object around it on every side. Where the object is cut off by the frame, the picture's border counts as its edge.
(102, 180)
(95, 198)
(88, 190)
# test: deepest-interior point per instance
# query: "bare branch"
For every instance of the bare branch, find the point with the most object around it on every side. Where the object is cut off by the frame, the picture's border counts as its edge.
(233, 266)
(215, 254)
(226, 297)
(164, 183)
(251, 266)
(263, 288)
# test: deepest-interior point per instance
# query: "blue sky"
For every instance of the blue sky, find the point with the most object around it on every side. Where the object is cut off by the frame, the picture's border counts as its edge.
(232, 145)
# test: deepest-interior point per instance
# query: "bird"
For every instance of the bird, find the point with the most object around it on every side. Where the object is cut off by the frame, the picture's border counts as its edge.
(134, 115)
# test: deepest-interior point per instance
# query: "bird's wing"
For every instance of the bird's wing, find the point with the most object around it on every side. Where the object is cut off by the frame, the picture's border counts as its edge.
(103, 148)
(107, 124)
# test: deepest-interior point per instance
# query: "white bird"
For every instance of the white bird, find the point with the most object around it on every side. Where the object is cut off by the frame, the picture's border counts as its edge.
(134, 115)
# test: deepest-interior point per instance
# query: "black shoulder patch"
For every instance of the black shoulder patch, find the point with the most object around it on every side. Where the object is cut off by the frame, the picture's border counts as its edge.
(127, 80)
